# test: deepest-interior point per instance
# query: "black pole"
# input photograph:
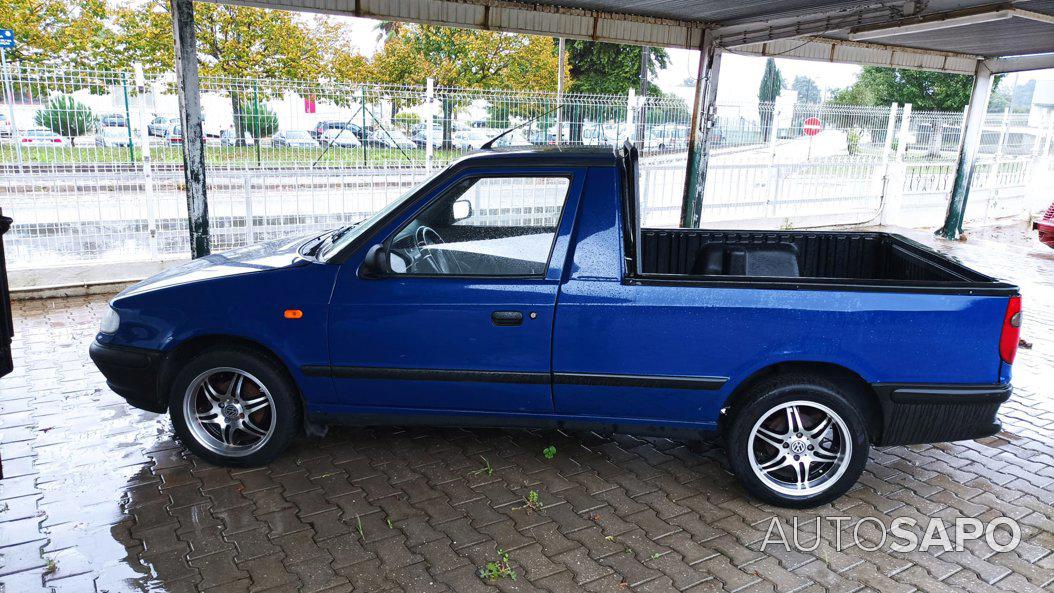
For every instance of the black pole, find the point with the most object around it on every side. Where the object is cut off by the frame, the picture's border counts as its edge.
(189, 90)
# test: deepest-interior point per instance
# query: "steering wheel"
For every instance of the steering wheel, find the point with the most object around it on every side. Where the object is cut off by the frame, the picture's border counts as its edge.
(440, 260)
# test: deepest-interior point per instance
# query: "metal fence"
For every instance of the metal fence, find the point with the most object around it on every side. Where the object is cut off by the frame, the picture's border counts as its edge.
(286, 157)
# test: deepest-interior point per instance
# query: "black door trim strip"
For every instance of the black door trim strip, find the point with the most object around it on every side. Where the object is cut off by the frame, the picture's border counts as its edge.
(458, 375)
(647, 381)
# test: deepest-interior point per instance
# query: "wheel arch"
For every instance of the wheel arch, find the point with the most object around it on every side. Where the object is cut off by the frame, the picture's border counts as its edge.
(842, 376)
(176, 358)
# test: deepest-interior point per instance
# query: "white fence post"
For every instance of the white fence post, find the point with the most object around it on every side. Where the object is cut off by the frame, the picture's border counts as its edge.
(1002, 134)
(631, 106)
(891, 125)
(773, 132)
(247, 184)
(905, 132)
(430, 102)
(148, 173)
(9, 95)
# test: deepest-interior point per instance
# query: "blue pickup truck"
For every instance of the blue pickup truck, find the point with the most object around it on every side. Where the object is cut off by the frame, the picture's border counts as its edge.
(516, 288)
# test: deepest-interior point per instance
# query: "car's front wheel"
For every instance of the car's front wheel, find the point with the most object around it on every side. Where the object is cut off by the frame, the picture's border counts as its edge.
(798, 441)
(232, 406)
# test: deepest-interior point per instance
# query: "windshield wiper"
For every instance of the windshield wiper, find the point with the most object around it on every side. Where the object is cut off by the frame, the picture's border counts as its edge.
(332, 238)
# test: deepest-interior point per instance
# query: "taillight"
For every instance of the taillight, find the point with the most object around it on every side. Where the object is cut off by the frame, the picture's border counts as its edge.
(56, 140)
(26, 140)
(1011, 330)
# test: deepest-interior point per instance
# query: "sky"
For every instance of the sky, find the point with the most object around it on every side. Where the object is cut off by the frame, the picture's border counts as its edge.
(740, 74)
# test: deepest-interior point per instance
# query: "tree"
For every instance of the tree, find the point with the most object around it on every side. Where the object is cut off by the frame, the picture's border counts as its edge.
(66, 117)
(926, 91)
(59, 34)
(236, 42)
(771, 86)
(406, 119)
(467, 59)
(808, 91)
(607, 68)
(257, 119)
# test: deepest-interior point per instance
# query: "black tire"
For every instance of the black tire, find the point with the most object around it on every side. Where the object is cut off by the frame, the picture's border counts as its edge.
(284, 414)
(766, 401)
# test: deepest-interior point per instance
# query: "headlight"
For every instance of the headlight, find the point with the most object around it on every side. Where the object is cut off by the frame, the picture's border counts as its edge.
(110, 322)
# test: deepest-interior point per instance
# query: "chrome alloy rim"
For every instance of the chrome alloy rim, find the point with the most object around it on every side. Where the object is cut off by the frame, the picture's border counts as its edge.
(799, 448)
(229, 412)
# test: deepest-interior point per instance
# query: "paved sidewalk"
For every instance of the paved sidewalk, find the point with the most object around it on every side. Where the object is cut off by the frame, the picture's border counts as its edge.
(97, 496)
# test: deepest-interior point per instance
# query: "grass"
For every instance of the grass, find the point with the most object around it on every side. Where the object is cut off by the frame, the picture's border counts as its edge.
(549, 452)
(486, 469)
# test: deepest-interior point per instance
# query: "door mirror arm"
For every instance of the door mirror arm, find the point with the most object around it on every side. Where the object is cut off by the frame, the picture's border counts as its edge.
(376, 264)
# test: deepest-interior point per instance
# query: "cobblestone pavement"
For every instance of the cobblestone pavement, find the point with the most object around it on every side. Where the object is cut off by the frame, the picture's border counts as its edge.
(96, 496)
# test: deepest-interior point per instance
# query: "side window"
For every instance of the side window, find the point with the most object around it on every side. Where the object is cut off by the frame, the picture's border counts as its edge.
(484, 226)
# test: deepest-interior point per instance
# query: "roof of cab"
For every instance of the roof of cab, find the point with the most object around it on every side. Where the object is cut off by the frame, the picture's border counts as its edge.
(541, 155)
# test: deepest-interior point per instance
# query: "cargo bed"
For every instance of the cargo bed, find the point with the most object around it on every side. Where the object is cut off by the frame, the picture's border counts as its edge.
(807, 259)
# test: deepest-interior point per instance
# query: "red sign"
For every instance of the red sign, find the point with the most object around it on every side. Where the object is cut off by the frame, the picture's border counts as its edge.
(812, 126)
(309, 104)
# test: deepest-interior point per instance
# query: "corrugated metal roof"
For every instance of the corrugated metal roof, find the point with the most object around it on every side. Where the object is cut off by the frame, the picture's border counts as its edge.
(753, 26)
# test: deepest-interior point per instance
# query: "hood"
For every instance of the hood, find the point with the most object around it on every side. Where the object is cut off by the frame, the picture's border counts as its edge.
(261, 257)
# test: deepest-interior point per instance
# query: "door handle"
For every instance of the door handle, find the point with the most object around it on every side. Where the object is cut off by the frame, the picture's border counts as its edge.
(506, 318)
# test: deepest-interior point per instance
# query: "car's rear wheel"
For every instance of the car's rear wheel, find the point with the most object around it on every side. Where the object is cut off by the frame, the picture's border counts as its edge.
(798, 441)
(232, 406)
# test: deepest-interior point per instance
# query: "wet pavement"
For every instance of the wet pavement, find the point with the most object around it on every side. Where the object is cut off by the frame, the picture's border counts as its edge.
(97, 496)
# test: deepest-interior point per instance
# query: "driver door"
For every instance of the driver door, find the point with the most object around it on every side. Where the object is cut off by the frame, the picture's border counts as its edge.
(463, 322)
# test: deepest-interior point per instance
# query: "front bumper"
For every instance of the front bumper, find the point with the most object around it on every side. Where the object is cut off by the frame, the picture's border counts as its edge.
(132, 373)
(931, 413)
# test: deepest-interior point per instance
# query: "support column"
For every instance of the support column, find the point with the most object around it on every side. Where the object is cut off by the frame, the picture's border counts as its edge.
(189, 90)
(561, 64)
(704, 112)
(971, 141)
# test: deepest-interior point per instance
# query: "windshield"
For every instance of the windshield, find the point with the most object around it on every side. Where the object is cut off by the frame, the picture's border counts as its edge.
(365, 224)
(297, 134)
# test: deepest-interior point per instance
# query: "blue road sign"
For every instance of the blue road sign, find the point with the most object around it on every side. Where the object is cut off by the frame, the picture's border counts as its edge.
(7, 38)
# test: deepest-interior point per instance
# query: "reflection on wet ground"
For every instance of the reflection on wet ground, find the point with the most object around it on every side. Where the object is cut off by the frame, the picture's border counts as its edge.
(97, 496)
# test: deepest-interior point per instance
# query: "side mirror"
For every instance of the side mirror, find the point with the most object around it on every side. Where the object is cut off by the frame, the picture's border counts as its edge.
(461, 210)
(376, 264)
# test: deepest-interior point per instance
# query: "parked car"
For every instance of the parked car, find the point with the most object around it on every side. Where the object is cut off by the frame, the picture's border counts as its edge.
(322, 127)
(5, 126)
(294, 139)
(40, 137)
(110, 137)
(474, 138)
(228, 138)
(160, 125)
(340, 138)
(174, 134)
(113, 120)
(392, 139)
(666, 137)
(1045, 226)
(800, 348)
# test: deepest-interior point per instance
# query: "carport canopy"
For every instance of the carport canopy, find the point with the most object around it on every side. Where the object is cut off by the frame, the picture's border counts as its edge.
(972, 37)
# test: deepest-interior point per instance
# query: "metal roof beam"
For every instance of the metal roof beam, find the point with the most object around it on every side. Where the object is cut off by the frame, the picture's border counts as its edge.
(821, 49)
(1019, 63)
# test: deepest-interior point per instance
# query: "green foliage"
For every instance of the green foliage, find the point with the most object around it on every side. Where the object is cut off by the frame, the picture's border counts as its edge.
(926, 91)
(807, 90)
(59, 33)
(498, 569)
(257, 119)
(486, 469)
(608, 68)
(406, 119)
(66, 116)
(771, 82)
(549, 452)
(531, 502)
(51, 568)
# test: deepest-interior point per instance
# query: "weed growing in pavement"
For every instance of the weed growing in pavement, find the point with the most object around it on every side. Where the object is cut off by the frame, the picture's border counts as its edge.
(498, 569)
(486, 469)
(532, 503)
(549, 452)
